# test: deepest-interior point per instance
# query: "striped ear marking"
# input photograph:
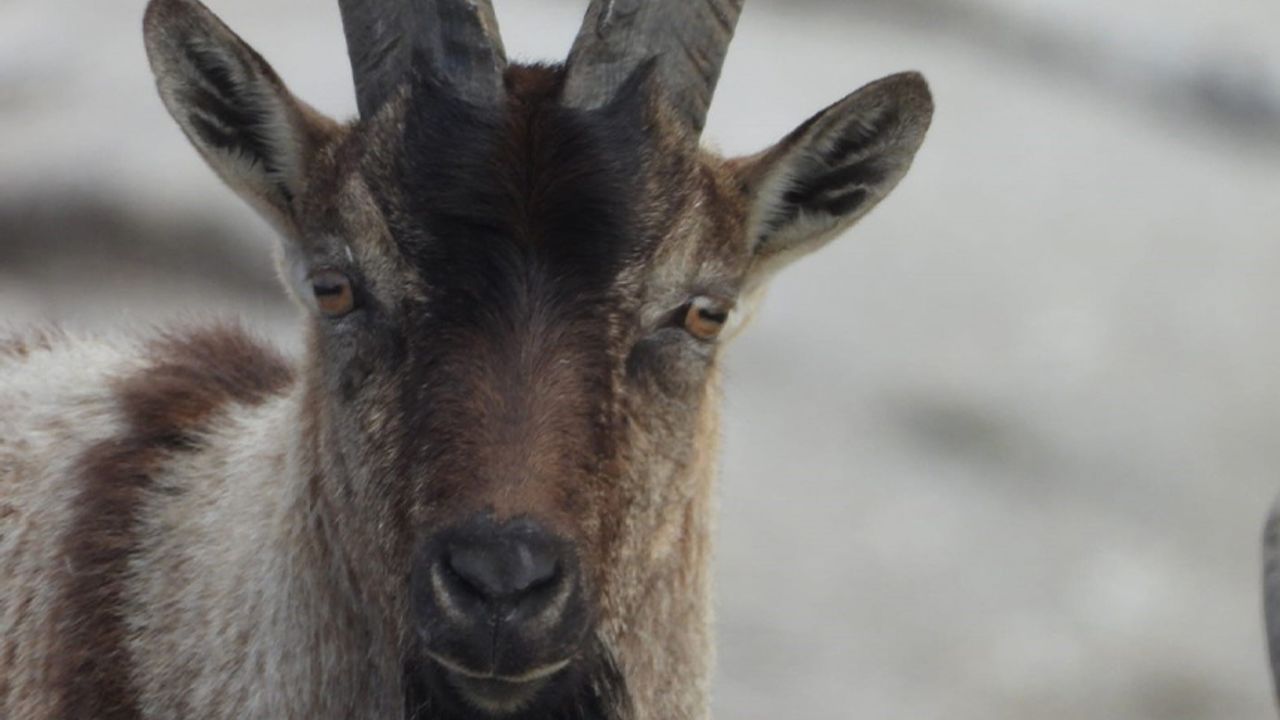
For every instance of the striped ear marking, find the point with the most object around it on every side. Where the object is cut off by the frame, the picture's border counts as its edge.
(833, 169)
(231, 104)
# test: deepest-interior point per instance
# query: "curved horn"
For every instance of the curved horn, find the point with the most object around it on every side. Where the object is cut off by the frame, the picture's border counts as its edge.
(689, 38)
(458, 37)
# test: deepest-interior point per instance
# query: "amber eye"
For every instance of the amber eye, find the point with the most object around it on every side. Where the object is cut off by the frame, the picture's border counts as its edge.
(705, 318)
(334, 295)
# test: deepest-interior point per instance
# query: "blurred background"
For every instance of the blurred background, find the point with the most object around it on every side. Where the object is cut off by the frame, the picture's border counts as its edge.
(1004, 451)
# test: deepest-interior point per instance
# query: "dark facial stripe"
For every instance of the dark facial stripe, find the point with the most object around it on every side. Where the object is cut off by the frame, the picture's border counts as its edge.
(165, 407)
(493, 192)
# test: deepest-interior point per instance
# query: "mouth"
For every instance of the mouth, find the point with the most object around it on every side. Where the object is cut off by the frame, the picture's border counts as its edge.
(498, 694)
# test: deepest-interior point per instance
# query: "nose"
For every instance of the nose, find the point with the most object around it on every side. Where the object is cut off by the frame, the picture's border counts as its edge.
(499, 599)
(508, 565)
(509, 569)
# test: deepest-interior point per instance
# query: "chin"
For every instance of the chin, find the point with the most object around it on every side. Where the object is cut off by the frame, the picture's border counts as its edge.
(449, 692)
(497, 697)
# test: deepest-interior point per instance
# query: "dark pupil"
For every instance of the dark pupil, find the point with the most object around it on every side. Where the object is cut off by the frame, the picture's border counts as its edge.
(716, 317)
(328, 289)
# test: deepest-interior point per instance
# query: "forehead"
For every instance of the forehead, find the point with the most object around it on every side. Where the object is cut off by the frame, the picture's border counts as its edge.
(526, 192)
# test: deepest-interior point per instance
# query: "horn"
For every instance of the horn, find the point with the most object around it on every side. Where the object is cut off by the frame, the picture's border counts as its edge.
(459, 38)
(688, 38)
(1271, 590)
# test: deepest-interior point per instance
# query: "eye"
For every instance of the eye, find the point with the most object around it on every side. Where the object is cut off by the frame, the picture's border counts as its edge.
(334, 295)
(705, 318)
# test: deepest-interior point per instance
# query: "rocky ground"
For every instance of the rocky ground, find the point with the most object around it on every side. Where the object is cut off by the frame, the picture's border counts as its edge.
(1003, 452)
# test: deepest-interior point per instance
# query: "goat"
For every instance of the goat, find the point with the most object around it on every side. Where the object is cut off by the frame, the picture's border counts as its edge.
(484, 488)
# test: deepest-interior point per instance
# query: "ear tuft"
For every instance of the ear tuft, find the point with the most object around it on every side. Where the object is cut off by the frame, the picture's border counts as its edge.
(227, 115)
(833, 169)
(231, 104)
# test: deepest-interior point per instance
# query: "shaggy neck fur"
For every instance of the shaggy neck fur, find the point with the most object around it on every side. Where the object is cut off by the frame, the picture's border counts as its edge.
(250, 598)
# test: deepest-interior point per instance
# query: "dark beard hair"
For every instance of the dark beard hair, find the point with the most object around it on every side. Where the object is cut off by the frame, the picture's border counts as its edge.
(590, 689)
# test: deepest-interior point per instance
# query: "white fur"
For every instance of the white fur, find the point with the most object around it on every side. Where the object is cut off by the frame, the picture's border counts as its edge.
(54, 404)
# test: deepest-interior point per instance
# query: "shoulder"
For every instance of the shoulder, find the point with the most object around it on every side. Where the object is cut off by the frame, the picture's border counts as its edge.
(179, 372)
(205, 367)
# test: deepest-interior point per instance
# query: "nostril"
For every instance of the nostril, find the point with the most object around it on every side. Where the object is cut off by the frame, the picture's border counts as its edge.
(502, 570)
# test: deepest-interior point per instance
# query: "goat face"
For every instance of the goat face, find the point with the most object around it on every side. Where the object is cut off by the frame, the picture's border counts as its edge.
(524, 363)
(515, 306)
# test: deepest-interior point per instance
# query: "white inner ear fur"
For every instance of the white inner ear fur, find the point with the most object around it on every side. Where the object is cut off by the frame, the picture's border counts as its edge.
(295, 270)
(809, 230)
(269, 103)
(806, 232)
(890, 116)
(182, 67)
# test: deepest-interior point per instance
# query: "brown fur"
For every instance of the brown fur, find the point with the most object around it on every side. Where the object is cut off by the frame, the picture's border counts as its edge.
(188, 380)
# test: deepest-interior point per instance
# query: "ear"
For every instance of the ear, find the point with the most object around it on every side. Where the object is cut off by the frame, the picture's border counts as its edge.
(830, 172)
(233, 107)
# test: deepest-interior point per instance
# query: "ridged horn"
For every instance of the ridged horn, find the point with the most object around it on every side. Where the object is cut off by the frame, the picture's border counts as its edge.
(688, 39)
(459, 38)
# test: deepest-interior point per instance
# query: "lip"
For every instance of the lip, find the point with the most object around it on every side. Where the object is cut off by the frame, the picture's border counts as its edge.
(494, 693)
(539, 673)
